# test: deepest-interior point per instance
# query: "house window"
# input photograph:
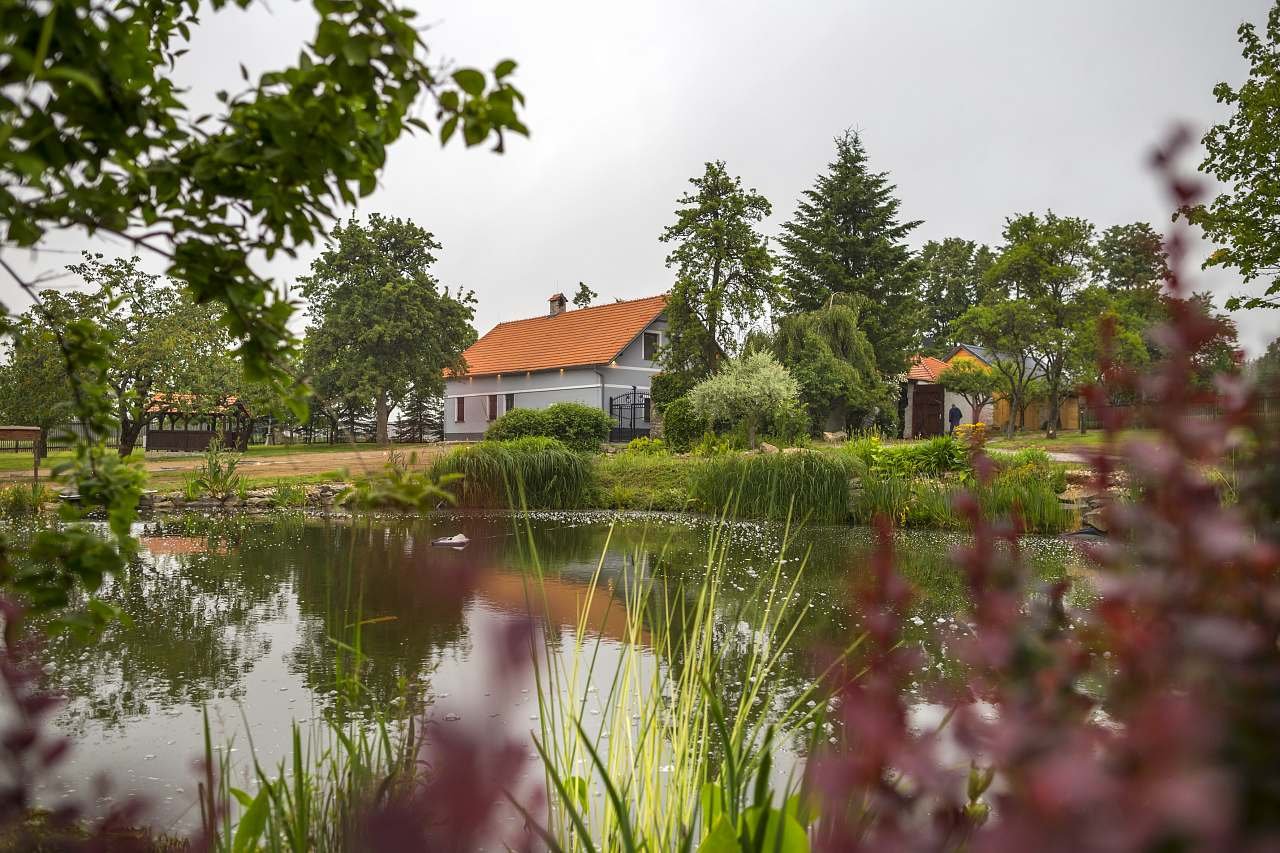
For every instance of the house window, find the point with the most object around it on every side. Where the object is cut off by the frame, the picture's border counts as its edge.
(509, 403)
(493, 407)
(651, 346)
(459, 409)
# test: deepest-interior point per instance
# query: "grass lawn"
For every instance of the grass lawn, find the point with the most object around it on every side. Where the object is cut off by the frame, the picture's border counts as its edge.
(1066, 440)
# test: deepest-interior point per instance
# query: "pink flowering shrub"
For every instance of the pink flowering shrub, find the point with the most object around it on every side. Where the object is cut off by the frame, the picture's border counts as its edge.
(1147, 720)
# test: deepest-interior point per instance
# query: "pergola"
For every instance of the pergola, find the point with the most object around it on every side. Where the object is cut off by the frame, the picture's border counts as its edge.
(188, 422)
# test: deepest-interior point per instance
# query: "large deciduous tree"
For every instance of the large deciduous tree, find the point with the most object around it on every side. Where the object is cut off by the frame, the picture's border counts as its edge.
(831, 358)
(847, 237)
(724, 270)
(1008, 328)
(381, 323)
(1047, 260)
(34, 389)
(162, 342)
(1244, 219)
(951, 275)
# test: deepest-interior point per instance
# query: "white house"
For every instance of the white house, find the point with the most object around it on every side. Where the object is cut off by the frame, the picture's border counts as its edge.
(601, 356)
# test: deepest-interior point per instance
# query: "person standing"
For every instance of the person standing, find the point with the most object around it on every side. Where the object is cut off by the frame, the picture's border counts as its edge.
(954, 417)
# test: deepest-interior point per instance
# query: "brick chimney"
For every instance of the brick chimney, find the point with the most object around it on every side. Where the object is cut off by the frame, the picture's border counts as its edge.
(558, 304)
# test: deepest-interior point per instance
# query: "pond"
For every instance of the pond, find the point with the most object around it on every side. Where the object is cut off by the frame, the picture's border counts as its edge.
(247, 617)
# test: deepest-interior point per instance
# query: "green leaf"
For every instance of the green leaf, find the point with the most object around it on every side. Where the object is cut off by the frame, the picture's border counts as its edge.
(447, 130)
(578, 789)
(252, 824)
(783, 833)
(503, 68)
(470, 81)
(721, 839)
(329, 38)
(74, 75)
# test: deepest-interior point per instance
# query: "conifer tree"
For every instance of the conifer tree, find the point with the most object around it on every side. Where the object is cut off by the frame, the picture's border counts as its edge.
(724, 270)
(846, 237)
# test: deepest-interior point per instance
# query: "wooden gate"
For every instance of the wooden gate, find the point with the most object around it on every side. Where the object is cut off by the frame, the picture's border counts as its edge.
(926, 411)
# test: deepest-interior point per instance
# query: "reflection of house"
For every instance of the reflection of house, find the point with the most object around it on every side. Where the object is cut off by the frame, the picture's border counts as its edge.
(927, 402)
(188, 422)
(601, 356)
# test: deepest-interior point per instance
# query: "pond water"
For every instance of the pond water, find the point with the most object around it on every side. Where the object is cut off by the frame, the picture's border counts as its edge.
(245, 617)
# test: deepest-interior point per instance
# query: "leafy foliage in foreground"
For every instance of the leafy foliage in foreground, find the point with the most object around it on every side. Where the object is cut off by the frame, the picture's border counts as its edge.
(97, 139)
(1244, 220)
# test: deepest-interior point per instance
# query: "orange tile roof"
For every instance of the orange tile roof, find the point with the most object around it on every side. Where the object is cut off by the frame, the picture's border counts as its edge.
(587, 336)
(926, 368)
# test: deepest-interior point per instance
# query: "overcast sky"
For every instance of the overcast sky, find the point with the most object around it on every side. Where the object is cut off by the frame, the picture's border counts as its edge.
(977, 109)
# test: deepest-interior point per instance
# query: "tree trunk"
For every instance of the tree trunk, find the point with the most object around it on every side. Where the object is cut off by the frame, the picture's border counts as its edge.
(129, 432)
(1055, 405)
(1015, 409)
(382, 414)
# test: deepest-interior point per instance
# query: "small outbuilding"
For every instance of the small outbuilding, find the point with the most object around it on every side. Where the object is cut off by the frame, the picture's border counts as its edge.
(188, 422)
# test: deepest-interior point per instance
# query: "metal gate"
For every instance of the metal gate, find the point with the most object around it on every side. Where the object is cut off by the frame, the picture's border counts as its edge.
(630, 413)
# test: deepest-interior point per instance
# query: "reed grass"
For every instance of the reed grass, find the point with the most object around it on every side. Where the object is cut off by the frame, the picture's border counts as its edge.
(810, 486)
(535, 473)
(678, 765)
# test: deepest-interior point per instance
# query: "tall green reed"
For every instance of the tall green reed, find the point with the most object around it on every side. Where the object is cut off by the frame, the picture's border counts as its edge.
(678, 763)
(536, 473)
(815, 486)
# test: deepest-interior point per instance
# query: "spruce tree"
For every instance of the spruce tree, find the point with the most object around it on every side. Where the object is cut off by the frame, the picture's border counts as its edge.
(846, 237)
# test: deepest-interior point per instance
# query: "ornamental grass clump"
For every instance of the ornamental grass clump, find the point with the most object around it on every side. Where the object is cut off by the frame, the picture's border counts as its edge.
(807, 485)
(534, 473)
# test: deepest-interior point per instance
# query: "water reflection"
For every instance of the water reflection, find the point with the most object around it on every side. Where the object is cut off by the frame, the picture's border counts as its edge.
(260, 615)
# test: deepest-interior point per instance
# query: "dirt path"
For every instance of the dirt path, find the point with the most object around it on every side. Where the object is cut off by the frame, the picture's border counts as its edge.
(164, 467)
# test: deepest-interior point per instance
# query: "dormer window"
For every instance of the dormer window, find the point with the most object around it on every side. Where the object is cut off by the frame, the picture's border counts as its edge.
(651, 342)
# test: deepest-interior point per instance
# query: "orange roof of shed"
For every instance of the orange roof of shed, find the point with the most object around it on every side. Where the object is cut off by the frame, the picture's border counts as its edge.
(587, 336)
(926, 368)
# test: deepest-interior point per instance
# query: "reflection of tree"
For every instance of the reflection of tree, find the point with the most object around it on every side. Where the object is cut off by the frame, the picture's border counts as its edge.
(192, 630)
(379, 584)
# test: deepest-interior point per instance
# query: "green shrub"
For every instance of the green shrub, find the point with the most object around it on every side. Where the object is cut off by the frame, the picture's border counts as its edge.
(887, 496)
(646, 446)
(681, 427)
(932, 458)
(401, 485)
(669, 386)
(579, 427)
(22, 499)
(518, 423)
(532, 473)
(711, 444)
(811, 486)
